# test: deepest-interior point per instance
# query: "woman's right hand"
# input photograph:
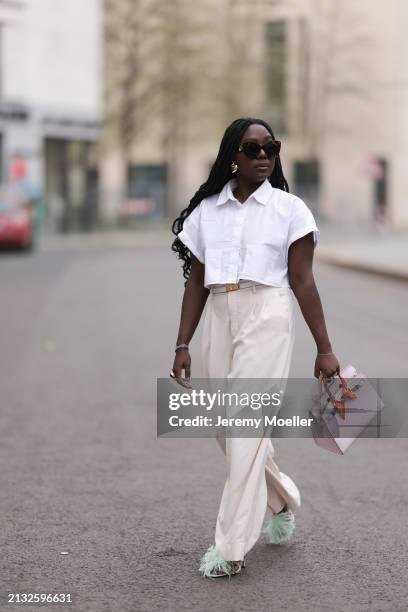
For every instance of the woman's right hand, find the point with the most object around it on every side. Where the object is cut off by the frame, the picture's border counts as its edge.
(182, 361)
(327, 365)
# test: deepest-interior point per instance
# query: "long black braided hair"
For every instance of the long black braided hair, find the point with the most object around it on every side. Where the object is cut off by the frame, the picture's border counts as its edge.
(220, 174)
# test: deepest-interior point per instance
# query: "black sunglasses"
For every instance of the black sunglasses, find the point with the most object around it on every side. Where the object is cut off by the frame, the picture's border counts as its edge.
(252, 149)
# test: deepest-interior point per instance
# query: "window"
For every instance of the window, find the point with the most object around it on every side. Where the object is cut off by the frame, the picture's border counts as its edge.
(303, 72)
(307, 182)
(146, 191)
(275, 73)
(71, 181)
(380, 176)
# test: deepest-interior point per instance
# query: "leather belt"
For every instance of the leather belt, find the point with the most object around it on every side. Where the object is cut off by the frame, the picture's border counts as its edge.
(236, 286)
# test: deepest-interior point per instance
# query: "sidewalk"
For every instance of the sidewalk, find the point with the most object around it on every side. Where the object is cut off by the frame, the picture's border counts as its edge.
(376, 251)
(151, 237)
(382, 252)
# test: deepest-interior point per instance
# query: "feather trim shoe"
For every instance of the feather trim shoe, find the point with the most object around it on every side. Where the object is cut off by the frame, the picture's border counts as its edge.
(280, 527)
(213, 565)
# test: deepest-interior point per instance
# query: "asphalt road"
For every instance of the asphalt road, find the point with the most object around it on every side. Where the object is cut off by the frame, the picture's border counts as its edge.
(84, 335)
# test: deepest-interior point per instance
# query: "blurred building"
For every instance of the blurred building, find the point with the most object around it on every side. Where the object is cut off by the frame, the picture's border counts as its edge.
(50, 104)
(328, 76)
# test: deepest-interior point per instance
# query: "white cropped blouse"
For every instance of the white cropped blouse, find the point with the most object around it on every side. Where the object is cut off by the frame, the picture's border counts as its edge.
(247, 241)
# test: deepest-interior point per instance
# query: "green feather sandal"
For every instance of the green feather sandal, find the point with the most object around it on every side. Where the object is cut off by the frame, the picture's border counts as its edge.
(213, 565)
(280, 527)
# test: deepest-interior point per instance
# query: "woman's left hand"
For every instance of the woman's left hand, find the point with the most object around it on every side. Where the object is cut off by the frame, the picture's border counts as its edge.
(327, 364)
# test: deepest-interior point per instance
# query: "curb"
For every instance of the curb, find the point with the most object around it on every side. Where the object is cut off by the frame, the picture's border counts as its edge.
(160, 238)
(360, 266)
(106, 241)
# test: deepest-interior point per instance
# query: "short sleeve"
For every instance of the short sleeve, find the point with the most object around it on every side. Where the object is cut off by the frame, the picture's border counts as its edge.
(302, 222)
(190, 235)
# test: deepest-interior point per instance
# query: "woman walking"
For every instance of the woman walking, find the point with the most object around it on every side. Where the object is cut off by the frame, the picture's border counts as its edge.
(247, 248)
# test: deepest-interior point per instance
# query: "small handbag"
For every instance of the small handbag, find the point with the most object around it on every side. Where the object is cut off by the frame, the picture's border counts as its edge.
(344, 410)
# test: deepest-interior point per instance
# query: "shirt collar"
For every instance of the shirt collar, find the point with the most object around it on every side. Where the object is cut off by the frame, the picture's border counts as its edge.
(261, 195)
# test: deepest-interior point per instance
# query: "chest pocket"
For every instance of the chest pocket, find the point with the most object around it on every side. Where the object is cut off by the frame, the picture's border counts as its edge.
(265, 234)
(209, 211)
(209, 215)
(213, 260)
(213, 230)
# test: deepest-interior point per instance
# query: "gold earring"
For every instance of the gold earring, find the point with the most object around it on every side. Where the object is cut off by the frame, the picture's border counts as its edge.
(234, 168)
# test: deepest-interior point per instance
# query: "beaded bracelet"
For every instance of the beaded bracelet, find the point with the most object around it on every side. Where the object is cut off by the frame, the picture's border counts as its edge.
(181, 346)
(325, 353)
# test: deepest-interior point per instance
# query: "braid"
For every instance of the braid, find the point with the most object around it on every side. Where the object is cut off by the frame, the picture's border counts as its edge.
(220, 174)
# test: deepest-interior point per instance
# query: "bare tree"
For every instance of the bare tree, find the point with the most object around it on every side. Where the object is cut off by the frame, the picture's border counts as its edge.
(339, 45)
(187, 67)
(122, 36)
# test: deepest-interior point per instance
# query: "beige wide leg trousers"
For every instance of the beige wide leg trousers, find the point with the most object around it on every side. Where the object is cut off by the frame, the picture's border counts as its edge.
(249, 333)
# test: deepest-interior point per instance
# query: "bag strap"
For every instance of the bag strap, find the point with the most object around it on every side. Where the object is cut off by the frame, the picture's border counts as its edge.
(347, 393)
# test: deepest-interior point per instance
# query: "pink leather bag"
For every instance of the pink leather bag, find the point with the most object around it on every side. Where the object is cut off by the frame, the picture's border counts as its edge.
(344, 410)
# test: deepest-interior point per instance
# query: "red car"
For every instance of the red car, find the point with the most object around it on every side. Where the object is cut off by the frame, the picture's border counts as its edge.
(16, 219)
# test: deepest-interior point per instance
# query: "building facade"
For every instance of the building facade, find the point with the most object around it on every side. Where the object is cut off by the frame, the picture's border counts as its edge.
(328, 76)
(51, 105)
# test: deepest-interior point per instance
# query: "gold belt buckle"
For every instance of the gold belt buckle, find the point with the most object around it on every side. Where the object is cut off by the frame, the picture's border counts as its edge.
(232, 287)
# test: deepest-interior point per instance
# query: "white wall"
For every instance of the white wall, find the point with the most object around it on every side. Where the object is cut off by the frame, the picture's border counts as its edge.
(53, 55)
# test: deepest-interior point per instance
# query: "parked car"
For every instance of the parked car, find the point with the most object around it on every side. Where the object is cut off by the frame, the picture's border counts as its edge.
(16, 218)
